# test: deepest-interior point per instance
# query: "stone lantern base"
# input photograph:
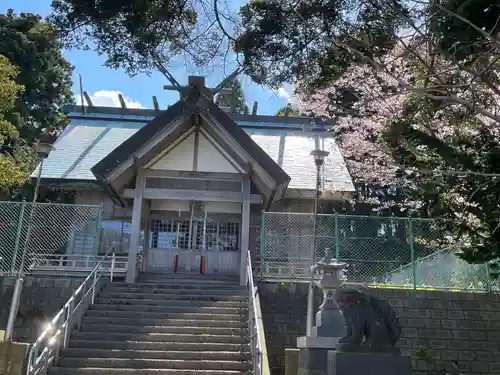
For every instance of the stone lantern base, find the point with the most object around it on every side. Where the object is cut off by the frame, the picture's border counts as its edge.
(313, 354)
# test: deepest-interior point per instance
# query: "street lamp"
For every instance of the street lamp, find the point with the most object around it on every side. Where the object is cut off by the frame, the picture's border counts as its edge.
(43, 150)
(319, 158)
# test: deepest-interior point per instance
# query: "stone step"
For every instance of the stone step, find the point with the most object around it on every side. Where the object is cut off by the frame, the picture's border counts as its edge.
(188, 280)
(170, 302)
(132, 371)
(174, 296)
(162, 322)
(155, 354)
(186, 285)
(141, 321)
(165, 315)
(202, 330)
(159, 337)
(175, 289)
(188, 276)
(167, 308)
(163, 346)
(206, 282)
(154, 363)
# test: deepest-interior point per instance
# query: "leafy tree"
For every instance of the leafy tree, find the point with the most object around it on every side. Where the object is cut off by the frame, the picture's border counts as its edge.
(233, 97)
(16, 159)
(32, 45)
(139, 35)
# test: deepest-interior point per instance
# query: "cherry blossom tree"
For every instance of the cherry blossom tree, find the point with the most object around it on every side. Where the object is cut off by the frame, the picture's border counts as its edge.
(433, 137)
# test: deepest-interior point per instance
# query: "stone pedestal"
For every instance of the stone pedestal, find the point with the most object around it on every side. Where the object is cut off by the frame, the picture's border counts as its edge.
(291, 361)
(13, 358)
(368, 363)
(330, 324)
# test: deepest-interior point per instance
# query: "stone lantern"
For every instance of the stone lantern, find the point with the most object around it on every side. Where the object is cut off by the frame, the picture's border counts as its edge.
(330, 324)
(329, 319)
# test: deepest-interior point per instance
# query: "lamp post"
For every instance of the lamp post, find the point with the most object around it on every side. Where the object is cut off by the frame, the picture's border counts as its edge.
(43, 150)
(319, 158)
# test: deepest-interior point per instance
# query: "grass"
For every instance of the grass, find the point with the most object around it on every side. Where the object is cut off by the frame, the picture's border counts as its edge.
(425, 288)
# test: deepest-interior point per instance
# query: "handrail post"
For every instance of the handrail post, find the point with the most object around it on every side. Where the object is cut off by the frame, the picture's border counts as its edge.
(47, 358)
(94, 282)
(113, 264)
(69, 323)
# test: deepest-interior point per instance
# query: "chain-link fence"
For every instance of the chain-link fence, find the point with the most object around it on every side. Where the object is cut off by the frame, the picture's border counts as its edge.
(407, 252)
(60, 235)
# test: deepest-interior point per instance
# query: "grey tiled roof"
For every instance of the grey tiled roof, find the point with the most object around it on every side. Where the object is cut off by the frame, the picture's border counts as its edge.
(86, 141)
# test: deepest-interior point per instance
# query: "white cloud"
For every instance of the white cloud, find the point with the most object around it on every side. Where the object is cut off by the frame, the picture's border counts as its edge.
(285, 92)
(109, 98)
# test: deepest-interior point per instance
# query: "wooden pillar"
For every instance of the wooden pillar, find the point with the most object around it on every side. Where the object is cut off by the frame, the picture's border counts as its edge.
(147, 229)
(245, 229)
(135, 236)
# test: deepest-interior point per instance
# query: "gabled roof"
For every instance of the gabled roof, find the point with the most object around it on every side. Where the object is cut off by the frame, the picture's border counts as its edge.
(130, 145)
(171, 124)
(151, 129)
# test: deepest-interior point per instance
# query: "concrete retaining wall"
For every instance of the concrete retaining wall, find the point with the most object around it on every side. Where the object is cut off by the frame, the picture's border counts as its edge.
(41, 299)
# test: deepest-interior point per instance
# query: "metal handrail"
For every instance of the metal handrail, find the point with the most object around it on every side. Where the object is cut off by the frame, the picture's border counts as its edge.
(260, 361)
(46, 348)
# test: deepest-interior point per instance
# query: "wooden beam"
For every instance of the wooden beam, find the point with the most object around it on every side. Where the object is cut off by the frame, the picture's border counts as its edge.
(194, 195)
(255, 108)
(122, 101)
(155, 103)
(87, 99)
(190, 175)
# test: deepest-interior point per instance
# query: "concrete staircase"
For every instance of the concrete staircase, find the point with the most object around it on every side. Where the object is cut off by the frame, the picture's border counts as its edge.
(163, 325)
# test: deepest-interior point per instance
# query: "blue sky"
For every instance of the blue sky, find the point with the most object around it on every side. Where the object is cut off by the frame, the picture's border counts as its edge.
(103, 84)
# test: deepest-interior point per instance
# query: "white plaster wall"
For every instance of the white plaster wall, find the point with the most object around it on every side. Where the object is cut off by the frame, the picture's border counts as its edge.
(210, 159)
(180, 158)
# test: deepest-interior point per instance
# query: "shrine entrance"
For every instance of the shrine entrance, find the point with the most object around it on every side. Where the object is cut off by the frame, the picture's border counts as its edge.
(177, 244)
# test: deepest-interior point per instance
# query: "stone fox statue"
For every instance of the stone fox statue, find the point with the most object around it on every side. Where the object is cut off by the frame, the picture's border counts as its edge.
(369, 321)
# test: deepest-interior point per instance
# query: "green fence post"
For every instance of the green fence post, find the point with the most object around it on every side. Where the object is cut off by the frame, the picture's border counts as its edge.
(337, 237)
(412, 254)
(488, 277)
(98, 232)
(262, 245)
(19, 233)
